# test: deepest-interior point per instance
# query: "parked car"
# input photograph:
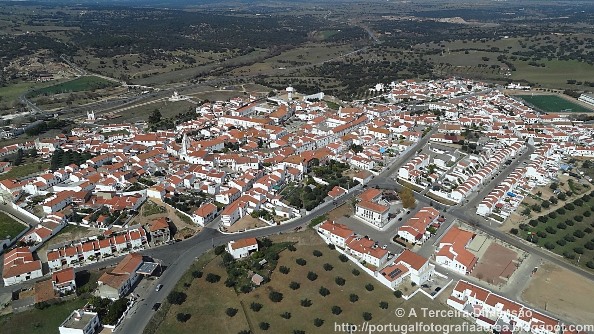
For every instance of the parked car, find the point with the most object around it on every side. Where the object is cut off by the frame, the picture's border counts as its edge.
(437, 289)
(159, 286)
(425, 286)
(156, 306)
(384, 246)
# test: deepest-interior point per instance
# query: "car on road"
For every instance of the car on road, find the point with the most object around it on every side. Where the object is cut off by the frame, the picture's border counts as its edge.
(156, 306)
(159, 286)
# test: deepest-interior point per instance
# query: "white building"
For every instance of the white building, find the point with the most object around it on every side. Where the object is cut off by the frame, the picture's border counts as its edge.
(80, 322)
(242, 248)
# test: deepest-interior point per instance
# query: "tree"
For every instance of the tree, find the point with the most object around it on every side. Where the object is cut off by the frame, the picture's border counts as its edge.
(301, 261)
(407, 197)
(231, 312)
(275, 296)
(219, 250)
(383, 305)
(369, 287)
(284, 270)
(256, 307)
(339, 280)
(343, 258)
(336, 310)
(328, 267)
(306, 302)
(367, 316)
(176, 297)
(324, 291)
(264, 326)
(398, 294)
(294, 285)
(312, 276)
(183, 317)
(514, 231)
(318, 322)
(356, 272)
(212, 278)
(286, 315)
(353, 297)
(317, 253)
(155, 117)
(197, 274)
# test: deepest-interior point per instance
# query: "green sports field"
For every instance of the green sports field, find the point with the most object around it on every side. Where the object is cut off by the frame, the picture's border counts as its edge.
(81, 84)
(553, 103)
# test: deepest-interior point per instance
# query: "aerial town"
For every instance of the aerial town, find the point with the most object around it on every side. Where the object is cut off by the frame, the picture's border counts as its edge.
(297, 167)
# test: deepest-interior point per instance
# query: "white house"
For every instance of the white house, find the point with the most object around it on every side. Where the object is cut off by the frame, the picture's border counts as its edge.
(242, 248)
(19, 266)
(334, 233)
(80, 322)
(452, 252)
(118, 282)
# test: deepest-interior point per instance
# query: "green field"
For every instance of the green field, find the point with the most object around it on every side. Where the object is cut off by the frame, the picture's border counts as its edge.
(207, 303)
(89, 83)
(568, 231)
(9, 227)
(553, 103)
(37, 321)
(27, 169)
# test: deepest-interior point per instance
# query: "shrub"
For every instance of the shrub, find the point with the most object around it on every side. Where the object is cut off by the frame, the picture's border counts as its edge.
(569, 238)
(312, 276)
(356, 272)
(578, 202)
(588, 230)
(523, 227)
(579, 233)
(343, 258)
(561, 242)
(212, 278)
(230, 282)
(284, 270)
(369, 287)
(552, 215)
(514, 231)
(264, 326)
(533, 223)
(275, 296)
(561, 226)
(328, 266)
(561, 211)
(578, 250)
(301, 261)
(590, 264)
(219, 250)
(562, 196)
(331, 246)
(383, 305)
(353, 297)
(197, 274)
(398, 294)
(578, 218)
(569, 222)
(317, 253)
(549, 245)
(569, 207)
(291, 248)
(589, 245)
(543, 219)
(367, 316)
(286, 315)
(551, 230)
(256, 307)
(336, 310)
(246, 288)
(324, 291)
(541, 234)
(231, 312)
(569, 255)
(176, 297)
(318, 322)
(545, 204)
(339, 280)
(306, 302)
(587, 213)
(294, 285)
(183, 317)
